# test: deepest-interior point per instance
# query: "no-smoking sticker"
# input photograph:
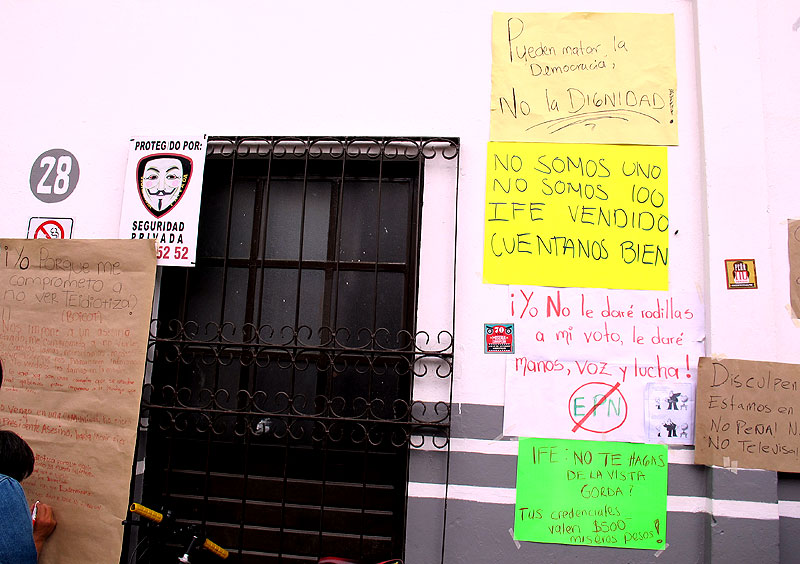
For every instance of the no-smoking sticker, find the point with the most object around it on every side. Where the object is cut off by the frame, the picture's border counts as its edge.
(50, 228)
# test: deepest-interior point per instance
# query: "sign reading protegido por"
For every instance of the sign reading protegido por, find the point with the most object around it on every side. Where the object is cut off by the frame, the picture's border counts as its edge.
(161, 200)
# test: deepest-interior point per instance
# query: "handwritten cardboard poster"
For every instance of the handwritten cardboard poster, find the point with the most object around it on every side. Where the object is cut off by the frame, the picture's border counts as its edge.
(74, 322)
(593, 216)
(794, 266)
(587, 360)
(584, 78)
(748, 414)
(591, 493)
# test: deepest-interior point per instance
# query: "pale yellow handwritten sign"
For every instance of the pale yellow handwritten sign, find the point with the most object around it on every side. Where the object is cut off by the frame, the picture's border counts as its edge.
(584, 78)
(593, 216)
(74, 323)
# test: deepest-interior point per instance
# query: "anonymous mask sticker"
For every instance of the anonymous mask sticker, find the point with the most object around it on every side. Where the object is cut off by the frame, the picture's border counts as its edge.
(162, 180)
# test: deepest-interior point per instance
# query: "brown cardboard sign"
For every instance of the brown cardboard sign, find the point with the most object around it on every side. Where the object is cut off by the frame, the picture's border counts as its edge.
(748, 414)
(741, 273)
(74, 326)
(794, 266)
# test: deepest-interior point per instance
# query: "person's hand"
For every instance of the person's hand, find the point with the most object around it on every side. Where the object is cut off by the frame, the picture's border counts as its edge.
(44, 525)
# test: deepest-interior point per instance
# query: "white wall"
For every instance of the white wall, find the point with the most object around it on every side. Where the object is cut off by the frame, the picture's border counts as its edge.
(779, 42)
(750, 88)
(86, 76)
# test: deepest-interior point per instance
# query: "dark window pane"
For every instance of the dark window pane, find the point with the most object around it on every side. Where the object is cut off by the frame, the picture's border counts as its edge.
(206, 289)
(356, 300)
(317, 220)
(279, 300)
(286, 209)
(358, 241)
(391, 305)
(393, 233)
(213, 226)
(285, 206)
(244, 197)
(312, 300)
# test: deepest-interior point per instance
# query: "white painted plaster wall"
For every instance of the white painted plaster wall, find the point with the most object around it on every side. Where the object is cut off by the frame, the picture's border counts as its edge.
(86, 76)
(750, 85)
(779, 46)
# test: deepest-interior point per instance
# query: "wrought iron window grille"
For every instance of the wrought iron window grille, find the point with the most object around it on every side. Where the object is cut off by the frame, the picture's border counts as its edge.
(229, 381)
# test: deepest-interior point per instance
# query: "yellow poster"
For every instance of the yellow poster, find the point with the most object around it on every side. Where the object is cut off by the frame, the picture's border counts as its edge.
(584, 78)
(592, 216)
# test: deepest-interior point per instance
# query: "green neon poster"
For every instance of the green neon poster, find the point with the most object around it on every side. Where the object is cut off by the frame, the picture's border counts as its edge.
(591, 493)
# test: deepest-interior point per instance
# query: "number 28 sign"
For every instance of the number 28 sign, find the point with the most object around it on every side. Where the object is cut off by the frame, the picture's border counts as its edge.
(54, 175)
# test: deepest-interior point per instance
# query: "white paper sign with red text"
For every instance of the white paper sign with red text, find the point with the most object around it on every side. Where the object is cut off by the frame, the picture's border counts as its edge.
(584, 358)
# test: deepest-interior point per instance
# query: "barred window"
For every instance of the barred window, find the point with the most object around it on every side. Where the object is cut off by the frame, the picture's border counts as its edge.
(281, 405)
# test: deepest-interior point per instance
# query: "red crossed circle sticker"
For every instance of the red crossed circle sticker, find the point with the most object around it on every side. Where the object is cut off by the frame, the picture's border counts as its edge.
(598, 407)
(50, 229)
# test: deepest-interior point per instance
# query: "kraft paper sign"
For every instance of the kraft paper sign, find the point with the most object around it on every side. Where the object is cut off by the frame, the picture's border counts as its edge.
(577, 215)
(584, 78)
(74, 323)
(794, 266)
(748, 414)
(591, 493)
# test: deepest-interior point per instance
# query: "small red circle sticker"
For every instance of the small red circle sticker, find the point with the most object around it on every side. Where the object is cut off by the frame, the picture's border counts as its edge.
(50, 229)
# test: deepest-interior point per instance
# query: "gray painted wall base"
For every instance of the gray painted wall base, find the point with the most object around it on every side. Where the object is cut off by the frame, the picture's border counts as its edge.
(478, 532)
